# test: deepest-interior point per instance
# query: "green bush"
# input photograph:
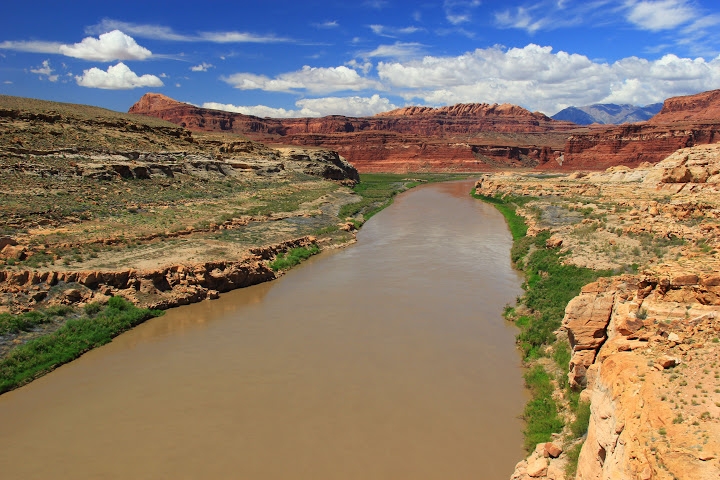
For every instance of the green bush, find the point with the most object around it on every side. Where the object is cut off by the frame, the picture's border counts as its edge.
(541, 412)
(77, 336)
(579, 426)
(293, 257)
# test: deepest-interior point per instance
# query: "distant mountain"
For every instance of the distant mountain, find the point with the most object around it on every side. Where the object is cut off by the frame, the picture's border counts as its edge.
(608, 113)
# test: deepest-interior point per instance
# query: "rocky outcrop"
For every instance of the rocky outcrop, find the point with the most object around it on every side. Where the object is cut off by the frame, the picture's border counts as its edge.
(464, 137)
(106, 145)
(649, 386)
(159, 288)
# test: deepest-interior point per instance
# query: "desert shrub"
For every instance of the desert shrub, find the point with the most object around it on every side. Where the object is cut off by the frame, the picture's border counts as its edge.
(293, 257)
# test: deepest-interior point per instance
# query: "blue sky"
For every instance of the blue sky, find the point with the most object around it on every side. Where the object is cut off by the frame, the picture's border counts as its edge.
(310, 58)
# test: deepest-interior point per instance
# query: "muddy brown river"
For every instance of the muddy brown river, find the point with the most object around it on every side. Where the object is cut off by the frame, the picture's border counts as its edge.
(385, 360)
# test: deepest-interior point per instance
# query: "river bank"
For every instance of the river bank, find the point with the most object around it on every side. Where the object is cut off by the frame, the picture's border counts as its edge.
(625, 371)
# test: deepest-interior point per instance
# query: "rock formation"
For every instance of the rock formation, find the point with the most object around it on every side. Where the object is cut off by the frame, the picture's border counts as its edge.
(467, 137)
(464, 137)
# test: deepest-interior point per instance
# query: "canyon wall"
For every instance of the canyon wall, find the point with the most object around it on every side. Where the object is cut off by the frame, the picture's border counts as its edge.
(464, 137)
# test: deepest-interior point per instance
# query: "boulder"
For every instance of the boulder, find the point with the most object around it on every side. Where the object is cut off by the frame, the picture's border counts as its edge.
(537, 468)
(552, 450)
(13, 252)
(586, 320)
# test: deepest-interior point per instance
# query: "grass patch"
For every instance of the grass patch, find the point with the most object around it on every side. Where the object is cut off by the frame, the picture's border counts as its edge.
(508, 206)
(549, 287)
(25, 322)
(579, 426)
(573, 455)
(293, 257)
(42, 355)
(541, 413)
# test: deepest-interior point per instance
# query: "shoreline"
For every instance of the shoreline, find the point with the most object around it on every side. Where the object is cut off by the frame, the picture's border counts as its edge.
(624, 370)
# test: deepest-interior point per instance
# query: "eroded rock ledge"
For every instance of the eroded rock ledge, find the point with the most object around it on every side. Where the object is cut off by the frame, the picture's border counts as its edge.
(161, 288)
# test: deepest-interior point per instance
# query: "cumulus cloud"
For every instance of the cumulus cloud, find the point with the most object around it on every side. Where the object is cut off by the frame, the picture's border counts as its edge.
(203, 67)
(353, 106)
(660, 15)
(107, 47)
(349, 106)
(45, 71)
(117, 77)
(311, 79)
(540, 79)
(255, 110)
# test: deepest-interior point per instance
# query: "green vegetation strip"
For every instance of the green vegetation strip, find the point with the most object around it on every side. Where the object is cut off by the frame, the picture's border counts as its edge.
(97, 326)
(293, 257)
(549, 286)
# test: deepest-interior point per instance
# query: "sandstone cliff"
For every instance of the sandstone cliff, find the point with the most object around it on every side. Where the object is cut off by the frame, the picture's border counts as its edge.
(465, 137)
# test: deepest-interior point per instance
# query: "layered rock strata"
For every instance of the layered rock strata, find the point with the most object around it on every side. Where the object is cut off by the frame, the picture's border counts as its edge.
(161, 288)
(464, 137)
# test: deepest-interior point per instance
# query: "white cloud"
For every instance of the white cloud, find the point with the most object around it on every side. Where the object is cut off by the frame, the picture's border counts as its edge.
(354, 106)
(31, 46)
(399, 50)
(521, 19)
(45, 71)
(107, 47)
(239, 37)
(161, 32)
(392, 32)
(349, 106)
(117, 77)
(660, 15)
(459, 11)
(203, 67)
(255, 110)
(328, 24)
(311, 79)
(8, 82)
(540, 79)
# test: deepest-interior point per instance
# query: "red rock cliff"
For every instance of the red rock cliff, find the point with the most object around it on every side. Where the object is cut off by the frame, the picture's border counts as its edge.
(464, 137)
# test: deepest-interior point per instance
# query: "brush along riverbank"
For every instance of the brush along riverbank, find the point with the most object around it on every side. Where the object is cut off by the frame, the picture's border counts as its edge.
(554, 408)
(641, 345)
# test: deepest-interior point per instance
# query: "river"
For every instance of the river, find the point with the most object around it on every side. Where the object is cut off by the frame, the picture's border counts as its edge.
(388, 359)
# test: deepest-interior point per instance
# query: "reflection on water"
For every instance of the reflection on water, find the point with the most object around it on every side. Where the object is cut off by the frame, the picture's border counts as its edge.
(386, 360)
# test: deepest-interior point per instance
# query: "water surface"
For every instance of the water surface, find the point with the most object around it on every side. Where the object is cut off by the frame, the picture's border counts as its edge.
(386, 360)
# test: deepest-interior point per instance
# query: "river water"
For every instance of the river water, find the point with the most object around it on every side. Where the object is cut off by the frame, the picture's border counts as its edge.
(385, 360)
